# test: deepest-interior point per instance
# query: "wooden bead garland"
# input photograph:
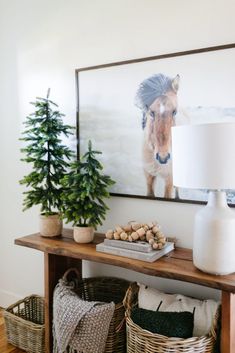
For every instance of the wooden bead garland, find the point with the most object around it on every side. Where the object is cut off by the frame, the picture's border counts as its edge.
(133, 231)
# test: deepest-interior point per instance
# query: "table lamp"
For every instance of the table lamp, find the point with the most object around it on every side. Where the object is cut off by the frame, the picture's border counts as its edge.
(203, 157)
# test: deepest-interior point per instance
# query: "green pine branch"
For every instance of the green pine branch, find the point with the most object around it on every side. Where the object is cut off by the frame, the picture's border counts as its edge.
(47, 155)
(84, 191)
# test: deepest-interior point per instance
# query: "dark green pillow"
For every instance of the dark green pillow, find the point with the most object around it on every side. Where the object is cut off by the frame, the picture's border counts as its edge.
(170, 324)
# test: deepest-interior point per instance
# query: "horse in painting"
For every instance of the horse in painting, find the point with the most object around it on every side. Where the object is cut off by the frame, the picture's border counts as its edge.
(157, 98)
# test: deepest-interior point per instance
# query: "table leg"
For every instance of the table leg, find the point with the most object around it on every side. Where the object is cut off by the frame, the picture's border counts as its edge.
(228, 323)
(54, 268)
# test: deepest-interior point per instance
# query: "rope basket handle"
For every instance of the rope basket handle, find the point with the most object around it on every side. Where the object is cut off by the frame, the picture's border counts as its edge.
(131, 296)
(72, 269)
(215, 329)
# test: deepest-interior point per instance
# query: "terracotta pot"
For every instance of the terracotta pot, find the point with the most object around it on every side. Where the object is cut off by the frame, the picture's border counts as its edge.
(50, 226)
(83, 234)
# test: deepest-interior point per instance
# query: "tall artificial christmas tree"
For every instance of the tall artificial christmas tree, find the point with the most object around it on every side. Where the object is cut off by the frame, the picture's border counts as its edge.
(49, 158)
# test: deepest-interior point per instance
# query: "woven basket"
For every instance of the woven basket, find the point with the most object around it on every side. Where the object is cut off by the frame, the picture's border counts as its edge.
(105, 289)
(140, 340)
(24, 322)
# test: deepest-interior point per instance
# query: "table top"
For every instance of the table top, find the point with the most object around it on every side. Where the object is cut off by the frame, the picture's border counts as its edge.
(176, 265)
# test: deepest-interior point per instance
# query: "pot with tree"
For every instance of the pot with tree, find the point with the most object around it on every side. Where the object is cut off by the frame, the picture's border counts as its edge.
(49, 158)
(84, 191)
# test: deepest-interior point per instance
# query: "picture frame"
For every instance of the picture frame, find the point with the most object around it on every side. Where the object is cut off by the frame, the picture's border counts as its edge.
(127, 108)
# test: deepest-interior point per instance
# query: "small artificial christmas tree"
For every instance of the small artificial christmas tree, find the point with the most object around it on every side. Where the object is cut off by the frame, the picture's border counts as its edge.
(85, 188)
(48, 156)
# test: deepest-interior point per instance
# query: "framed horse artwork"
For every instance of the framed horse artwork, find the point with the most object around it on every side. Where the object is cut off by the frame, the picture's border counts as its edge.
(127, 110)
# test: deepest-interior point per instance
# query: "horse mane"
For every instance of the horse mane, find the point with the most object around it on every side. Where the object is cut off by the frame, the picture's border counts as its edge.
(149, 90)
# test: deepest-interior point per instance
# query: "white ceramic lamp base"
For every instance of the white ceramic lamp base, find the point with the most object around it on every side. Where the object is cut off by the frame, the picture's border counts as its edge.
(214, 236)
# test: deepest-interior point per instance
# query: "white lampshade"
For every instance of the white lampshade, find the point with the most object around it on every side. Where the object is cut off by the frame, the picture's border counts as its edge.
(203, 156)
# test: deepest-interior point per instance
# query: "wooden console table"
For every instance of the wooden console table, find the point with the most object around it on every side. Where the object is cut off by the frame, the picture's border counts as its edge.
(62, 252)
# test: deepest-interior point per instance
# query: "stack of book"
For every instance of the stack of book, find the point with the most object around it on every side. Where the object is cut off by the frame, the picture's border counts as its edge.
(139, 250)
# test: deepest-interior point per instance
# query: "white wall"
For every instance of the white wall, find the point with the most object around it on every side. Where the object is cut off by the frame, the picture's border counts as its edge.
(41, 44)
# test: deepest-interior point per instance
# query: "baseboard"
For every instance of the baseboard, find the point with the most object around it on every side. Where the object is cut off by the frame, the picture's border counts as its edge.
(8, 298)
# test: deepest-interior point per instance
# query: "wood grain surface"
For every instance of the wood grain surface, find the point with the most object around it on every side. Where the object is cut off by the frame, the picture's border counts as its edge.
(176, 265)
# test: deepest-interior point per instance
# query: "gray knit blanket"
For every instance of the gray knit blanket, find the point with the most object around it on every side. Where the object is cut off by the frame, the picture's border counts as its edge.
(78, 324)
